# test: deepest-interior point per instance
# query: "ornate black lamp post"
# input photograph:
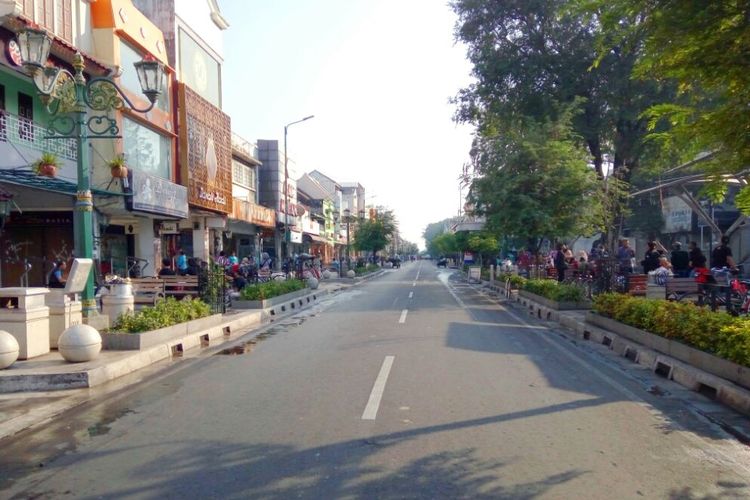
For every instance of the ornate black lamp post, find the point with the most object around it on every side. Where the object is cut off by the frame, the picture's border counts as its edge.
(69, 98)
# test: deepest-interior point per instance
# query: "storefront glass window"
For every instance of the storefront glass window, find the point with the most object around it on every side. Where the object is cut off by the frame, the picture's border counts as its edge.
(146, 150)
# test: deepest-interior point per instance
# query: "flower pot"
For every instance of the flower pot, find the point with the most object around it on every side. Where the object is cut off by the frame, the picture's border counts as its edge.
(47, 170)
(119, 171)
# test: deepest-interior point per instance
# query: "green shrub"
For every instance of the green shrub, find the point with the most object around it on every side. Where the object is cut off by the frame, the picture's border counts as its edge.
(263, 291)
(516, 281)
(714, 332)
(553, 290)
(167, 312)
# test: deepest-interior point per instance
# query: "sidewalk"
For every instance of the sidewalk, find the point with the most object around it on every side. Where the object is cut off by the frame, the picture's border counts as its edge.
(36, 390)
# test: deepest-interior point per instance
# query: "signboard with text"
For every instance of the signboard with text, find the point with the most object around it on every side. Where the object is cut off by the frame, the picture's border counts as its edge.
(156, 195)
(205, 152)
(678, 215)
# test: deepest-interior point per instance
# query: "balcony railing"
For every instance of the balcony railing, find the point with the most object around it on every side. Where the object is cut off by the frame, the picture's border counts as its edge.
(21, 131)
(244, 146)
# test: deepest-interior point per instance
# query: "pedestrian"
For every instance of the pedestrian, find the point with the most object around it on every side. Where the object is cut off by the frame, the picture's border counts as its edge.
(560, 262)
(697, 259)
(56, 279)
(680, 261)
(721, 256)
(650, 260)
(182, 263)
(222, 259)
(662, 272)
(625, 256)
(233, 258)
(166, 267)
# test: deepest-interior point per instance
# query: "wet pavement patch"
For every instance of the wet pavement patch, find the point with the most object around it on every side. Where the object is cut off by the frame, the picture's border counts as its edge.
(243, 348)
(103, 427)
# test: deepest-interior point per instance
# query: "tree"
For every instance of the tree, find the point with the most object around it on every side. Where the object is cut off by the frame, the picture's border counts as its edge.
(702, 47)
(535, 182)
(373, 235)
(531, 56)
(443, 244)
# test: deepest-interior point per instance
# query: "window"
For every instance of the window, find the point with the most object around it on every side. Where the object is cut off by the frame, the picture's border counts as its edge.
(25, 117)
(146, 150)
(129, 77)
(54, 15)
(243, 175)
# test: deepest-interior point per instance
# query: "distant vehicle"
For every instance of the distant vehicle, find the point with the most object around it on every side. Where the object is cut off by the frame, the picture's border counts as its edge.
(396, 261)
(442, 262)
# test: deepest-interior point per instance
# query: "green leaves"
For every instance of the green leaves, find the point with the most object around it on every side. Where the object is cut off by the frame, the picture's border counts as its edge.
(714, 332)
(166, 312)
(263, 291)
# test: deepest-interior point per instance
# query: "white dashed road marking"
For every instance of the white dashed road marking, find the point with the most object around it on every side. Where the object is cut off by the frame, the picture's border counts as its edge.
(371, 410)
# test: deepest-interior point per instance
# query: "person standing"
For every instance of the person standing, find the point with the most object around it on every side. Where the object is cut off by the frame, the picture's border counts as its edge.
(650, 260)
(625, 256)
(182, 263)
(560, 262)
(721, 256)
(680, 261)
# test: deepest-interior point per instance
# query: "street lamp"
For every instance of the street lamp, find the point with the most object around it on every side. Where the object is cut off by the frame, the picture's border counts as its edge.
(348, 217)
(287, 238)
(73, 97)
(336, 216)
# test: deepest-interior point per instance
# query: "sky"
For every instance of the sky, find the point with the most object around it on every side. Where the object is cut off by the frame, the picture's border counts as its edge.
(377, 75)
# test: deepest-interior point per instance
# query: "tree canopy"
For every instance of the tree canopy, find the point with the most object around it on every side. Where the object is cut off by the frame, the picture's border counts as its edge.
(534, 182)
(373, 235)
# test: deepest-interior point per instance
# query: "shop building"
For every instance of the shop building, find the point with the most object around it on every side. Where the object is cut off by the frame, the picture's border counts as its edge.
(139, 230)
(39, 228)
(249, 223)
(193, 37)
(279, 192)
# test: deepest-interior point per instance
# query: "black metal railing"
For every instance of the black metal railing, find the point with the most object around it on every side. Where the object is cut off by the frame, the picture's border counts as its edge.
(213, 288)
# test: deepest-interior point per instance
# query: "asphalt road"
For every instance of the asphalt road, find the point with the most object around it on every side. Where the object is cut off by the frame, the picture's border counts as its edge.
(413, 385)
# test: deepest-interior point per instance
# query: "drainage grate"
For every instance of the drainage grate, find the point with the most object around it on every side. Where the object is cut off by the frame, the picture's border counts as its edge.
(177, 350)
(663, 369)
(227, 331)
(631, 354)
(607, 341)
(205, 341)
(708, 391)
(586, 335)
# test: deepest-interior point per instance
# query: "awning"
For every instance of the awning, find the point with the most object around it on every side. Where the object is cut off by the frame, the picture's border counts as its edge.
(53, 184)
(314, 238)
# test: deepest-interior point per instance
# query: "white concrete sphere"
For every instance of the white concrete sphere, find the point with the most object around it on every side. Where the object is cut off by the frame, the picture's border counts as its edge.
(79, 343)
(326, 274)
(350, 273)
(313, 283)
(9, 349)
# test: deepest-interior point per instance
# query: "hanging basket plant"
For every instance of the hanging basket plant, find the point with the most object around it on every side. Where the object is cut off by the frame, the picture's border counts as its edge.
(47, 165)
(117, 167)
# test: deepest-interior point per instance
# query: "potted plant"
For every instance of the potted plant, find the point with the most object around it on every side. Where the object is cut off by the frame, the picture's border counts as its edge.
(47, 165)
(117, 167)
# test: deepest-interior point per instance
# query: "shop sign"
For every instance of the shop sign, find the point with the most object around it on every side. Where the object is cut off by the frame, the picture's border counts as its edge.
(205, 152)
(169, 228)
(156, 195)
(678, 215)
(252, 213)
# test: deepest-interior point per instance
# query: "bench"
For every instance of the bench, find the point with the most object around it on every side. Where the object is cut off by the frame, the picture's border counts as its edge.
(180, 286)
(147, 290)
(638, 284)
(679, 288)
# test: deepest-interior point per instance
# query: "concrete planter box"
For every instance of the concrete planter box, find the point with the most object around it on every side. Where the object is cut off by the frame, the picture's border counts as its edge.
(275, 301)
(709, 363)
(144, 340)
(552, 304)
